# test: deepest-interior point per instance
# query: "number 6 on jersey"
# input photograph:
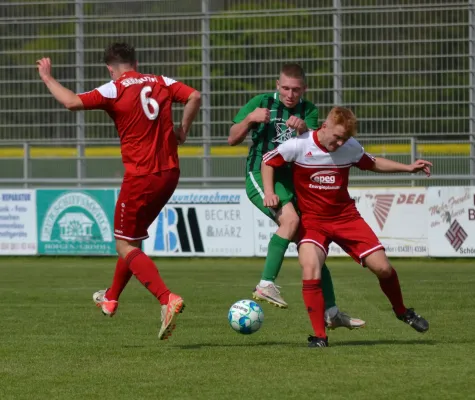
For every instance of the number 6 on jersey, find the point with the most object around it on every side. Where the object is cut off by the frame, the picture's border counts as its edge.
(149, 103)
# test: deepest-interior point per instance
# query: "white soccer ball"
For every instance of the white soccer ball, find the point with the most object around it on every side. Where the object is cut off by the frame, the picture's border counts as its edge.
(245, 316)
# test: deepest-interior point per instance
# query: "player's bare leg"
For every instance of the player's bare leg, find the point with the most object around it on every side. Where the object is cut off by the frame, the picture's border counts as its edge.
(379, 264)
(147, 273)
(288, 221)
(311, 258)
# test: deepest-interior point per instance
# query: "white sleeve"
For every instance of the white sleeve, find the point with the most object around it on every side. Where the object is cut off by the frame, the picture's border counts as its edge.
(108, 90)
(356, 149)
(168, 81)
(288, 150)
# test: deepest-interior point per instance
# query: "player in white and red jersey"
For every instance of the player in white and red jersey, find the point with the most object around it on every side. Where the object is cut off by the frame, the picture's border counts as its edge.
(321, 162)
(140, 106)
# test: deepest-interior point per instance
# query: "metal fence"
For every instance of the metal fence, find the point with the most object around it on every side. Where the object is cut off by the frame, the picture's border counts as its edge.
(406, 67)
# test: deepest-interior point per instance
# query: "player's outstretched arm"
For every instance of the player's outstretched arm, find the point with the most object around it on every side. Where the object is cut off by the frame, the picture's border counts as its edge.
(65, 96)
(238, 132)
(383, 165)
(190, 111)
(267, 174)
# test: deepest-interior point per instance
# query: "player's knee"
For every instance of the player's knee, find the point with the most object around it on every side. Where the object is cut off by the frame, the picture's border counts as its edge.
(290, 225)
(382, 271)
(124, 247)
(385, 271)
(311, 271)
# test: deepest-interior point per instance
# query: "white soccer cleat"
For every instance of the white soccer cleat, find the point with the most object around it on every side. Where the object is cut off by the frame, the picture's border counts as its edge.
(271, 294)
(108, 307)
(343, 320)
(99, 296)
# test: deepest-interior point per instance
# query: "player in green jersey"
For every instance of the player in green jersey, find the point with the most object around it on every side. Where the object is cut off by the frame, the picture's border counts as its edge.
(274, 118)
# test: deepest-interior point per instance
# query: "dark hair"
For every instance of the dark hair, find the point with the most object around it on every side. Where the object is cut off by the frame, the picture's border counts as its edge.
(119, 53)
(293, 70)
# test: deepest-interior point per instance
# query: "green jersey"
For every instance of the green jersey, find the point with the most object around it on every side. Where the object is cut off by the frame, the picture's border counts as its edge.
(266, 137)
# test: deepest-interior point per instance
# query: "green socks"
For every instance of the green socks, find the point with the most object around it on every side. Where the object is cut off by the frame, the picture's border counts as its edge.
(327, 288)
(275, 257)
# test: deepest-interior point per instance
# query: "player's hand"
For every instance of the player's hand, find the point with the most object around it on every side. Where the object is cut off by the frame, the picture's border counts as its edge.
(260, 115)
(180, 135)
(271, 200)
(297, 123)
(44, 68)
(420, 165)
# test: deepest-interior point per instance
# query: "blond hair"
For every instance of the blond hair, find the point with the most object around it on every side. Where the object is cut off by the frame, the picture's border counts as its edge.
(345, 117)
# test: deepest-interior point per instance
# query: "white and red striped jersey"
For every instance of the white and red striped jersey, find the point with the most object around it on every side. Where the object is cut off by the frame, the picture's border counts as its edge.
(320, 177)
(141, 107)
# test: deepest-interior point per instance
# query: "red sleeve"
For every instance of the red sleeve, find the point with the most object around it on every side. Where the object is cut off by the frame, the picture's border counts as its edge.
(93, 100)
(366, 162)
(274, 159)
(180, 92)
(100, 98)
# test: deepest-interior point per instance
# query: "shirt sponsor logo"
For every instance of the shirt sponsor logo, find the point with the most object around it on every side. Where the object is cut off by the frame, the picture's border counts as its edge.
(325, 179)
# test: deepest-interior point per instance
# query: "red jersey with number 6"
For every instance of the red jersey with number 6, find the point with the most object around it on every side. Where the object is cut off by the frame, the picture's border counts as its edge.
(141, 107)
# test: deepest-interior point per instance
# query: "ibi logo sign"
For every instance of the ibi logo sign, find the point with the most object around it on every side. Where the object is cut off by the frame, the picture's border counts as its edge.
(178, 230)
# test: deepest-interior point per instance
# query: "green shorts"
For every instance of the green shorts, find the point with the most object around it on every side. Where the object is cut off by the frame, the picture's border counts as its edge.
(284, 188)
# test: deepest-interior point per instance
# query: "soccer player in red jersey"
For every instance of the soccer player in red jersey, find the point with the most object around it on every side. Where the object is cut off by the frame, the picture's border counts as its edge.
(321, 162)
(140, 106)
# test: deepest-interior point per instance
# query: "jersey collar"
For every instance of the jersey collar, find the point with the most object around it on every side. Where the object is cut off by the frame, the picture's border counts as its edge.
(317, 142)
(128, 74)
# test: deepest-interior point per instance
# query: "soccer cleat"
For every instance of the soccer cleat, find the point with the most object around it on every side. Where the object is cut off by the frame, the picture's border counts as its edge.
(169, 313)
(342, 319)
(414, 320)
(314, 341)
(271, 294)
(108, 307)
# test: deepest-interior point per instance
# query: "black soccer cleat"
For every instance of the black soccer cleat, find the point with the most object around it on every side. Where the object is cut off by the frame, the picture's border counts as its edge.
(414, 320)
(314, 341)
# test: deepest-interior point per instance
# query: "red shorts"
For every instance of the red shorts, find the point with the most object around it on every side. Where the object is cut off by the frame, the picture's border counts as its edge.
(140, 200)
(355, 236)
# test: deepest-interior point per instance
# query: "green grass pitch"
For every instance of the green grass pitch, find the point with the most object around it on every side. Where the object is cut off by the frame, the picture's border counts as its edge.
(54, 344)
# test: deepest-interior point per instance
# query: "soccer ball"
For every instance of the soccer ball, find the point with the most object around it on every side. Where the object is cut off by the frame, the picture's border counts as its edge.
(245, 316)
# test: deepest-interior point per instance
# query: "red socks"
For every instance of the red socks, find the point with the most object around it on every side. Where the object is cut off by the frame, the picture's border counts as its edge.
(146, 272)
(313, 299)
(122, 276)
(391, 288)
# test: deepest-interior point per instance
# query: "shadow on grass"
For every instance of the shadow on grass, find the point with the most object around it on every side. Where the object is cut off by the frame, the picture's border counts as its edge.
(384, 342)
(197, 346)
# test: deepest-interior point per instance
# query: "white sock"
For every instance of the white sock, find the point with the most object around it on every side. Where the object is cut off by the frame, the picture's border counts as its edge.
(331, 312)
(265, 283)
